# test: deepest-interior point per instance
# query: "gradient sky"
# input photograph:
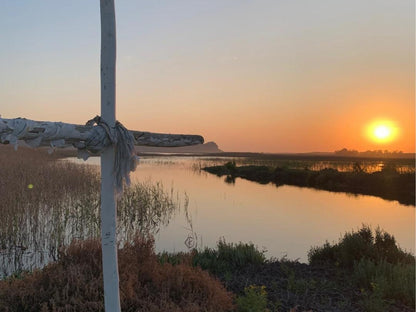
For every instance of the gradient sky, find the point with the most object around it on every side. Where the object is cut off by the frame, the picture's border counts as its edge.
(261, 76)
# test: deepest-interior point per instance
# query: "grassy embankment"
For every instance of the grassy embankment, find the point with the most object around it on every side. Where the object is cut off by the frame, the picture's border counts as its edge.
(387, 183)
(362, 272)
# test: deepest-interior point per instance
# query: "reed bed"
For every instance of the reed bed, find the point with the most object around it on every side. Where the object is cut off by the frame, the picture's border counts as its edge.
(37, 192)
(46, 203)
(402, 166)
(368, 166)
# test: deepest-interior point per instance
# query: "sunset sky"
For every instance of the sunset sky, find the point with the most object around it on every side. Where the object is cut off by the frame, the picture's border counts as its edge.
(259, 76)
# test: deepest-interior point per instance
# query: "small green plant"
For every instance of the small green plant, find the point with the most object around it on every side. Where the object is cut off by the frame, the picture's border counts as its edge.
(228, 257)
(297, 285)
(372, 300)
(386, 281)
(253, 300)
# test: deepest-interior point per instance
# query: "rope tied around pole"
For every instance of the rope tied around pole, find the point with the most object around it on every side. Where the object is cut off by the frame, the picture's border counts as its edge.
(123, 142)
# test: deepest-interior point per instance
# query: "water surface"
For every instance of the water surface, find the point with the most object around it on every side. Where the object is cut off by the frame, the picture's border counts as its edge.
(285, 220)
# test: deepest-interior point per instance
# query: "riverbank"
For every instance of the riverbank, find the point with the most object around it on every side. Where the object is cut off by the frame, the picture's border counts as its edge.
(47, 203)
(364, 271)
(387, 183)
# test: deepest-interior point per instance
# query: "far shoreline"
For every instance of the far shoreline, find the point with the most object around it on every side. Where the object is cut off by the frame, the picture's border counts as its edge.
(301, 156)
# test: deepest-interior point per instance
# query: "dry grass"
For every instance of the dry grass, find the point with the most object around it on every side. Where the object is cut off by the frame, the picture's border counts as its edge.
(52, 180)
(74, 283)
(37, 192)
(46, 203)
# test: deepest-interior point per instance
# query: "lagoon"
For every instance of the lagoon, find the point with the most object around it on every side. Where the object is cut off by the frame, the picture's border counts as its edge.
(183, 207)
(284, 221)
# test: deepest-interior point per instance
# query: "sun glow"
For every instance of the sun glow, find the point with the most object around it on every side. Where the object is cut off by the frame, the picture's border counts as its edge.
(382, 131)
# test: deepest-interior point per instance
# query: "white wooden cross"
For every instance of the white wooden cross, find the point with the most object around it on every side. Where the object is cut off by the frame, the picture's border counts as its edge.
(108, 138)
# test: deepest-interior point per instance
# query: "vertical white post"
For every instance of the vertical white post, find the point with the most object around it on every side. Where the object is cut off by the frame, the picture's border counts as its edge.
(108, 202)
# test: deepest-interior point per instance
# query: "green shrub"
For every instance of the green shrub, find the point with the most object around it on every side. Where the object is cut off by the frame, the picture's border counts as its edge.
(254, 299)
(375, 265)
(362, 244)
(176, 257)
(386, 281)
(323, 254)
(386, 249)
(228, 257)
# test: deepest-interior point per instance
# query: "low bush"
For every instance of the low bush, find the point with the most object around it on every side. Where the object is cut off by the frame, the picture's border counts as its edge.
(254, 299)
(386, 281)
(362, 244)
(74, 283)
(228, 257)
(378, 267)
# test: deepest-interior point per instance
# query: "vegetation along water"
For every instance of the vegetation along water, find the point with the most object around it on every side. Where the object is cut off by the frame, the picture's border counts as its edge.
(50, 252)
(387, 183)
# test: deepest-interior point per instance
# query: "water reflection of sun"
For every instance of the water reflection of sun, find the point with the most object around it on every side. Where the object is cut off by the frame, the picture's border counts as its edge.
(382, 131)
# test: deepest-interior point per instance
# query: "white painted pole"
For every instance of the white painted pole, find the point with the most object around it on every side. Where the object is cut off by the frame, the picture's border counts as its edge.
(108, 201)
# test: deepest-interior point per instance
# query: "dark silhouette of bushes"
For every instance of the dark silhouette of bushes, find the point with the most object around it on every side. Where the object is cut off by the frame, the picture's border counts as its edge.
(74, 283)
(261, 174)
(292, 177)
(387, 183)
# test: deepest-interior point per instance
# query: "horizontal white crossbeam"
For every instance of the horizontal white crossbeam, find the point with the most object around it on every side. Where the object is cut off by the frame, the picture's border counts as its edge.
(91, 137)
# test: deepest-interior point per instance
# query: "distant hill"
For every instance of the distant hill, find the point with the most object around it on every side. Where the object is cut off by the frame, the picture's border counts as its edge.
(209, 147)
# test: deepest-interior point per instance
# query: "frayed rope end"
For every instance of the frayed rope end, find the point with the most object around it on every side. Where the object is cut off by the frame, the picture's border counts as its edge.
(123, 142)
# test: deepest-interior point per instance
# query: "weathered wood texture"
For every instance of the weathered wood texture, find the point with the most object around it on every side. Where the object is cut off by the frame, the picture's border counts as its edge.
(90, 137)
(108, 121)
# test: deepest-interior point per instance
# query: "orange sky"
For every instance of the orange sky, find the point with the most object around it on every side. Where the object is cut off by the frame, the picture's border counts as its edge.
(269, 76)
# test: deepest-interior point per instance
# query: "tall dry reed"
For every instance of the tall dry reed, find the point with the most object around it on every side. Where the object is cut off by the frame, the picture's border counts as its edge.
(46, 203)
(37, 193)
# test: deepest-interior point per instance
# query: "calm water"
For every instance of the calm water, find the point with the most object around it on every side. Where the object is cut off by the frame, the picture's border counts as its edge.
(184, 207)
(284, 220)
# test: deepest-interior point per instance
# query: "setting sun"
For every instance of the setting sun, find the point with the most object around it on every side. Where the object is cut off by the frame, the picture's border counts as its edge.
(382, 131)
